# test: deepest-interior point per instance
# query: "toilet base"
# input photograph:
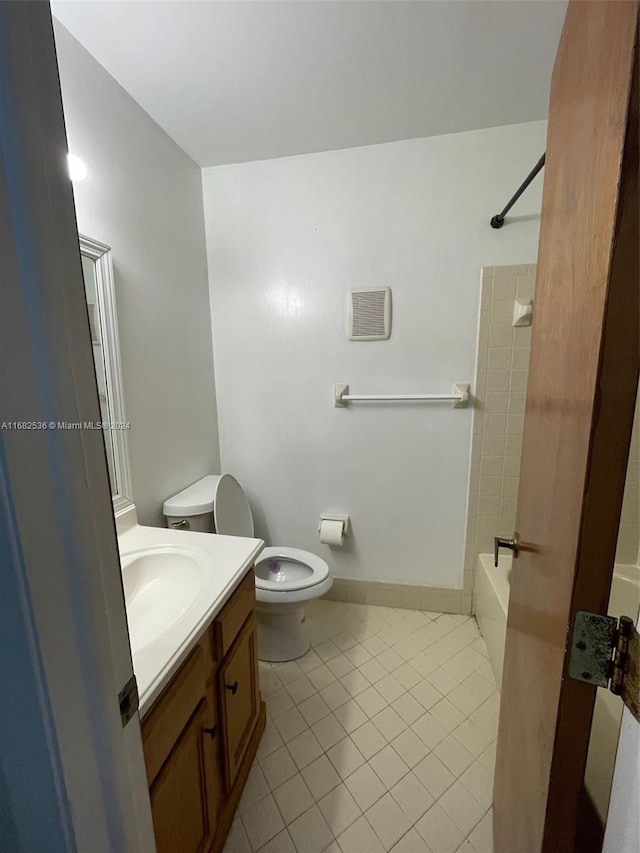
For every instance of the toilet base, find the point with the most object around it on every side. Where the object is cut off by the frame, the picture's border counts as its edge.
(281, 633)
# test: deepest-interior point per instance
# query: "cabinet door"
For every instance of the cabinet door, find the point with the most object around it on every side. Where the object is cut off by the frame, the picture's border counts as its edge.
(186, 793)
(239, 697)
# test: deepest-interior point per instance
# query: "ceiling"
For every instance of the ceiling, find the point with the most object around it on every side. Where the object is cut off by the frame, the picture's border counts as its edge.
(238, 81)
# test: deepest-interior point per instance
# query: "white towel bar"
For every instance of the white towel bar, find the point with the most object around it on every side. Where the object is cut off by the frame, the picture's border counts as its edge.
(459, 396)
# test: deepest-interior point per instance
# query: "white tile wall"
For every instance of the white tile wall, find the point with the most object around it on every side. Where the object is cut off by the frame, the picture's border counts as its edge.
(500, 388)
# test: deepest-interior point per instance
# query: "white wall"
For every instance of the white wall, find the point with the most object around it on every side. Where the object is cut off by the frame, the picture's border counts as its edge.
(143, 197)
(286, 238)
(622, 833)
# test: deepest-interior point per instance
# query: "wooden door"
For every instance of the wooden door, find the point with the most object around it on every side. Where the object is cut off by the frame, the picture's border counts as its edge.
(239, 697)
(185, 794)
(580, 401)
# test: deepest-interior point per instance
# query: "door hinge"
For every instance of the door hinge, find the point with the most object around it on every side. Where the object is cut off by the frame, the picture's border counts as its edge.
(128, 699)
(606, 652)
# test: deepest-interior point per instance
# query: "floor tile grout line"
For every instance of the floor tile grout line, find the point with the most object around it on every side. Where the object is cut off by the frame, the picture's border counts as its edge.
(347, 629)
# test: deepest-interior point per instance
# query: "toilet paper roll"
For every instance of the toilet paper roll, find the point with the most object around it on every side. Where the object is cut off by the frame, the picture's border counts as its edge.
(331, 533)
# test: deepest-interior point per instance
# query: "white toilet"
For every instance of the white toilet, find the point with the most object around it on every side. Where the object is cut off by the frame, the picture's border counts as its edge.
(285, 577)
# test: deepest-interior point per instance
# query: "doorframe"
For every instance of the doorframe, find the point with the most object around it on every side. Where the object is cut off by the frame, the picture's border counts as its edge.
(71, 778)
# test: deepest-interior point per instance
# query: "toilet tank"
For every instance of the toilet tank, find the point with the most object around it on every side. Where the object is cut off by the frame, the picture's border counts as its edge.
(192, 508)
(196, 523)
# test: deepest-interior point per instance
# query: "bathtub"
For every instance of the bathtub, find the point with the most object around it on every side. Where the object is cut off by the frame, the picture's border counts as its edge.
(491, 603)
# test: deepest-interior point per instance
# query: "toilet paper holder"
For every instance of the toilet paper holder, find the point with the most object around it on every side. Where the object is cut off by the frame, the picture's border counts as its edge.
(334, 516)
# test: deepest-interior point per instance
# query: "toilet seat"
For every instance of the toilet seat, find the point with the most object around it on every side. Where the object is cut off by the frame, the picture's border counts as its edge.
(319, 570)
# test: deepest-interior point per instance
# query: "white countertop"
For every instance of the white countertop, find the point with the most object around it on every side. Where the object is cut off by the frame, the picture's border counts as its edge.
(229, 557)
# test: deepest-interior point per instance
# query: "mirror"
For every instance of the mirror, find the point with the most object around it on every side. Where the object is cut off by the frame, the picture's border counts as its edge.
(97, 270)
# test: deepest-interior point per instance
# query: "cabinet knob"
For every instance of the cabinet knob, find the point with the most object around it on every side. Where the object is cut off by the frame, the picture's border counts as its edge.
(232, 687)
(211, 732)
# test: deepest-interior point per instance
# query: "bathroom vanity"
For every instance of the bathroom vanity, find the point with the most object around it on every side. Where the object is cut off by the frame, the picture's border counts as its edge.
(201, 735)
(190, 601)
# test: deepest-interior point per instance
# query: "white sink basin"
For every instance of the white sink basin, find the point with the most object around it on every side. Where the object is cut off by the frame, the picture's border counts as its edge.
(160, 586)
(175, 582)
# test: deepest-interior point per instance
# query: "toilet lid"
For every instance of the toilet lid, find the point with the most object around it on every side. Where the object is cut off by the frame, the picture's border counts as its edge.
(231, 511)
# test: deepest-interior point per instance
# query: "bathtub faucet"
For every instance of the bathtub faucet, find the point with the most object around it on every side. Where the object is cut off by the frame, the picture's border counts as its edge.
(511, 544)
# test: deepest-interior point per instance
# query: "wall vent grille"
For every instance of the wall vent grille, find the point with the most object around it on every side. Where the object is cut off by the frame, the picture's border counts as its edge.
(369, 314)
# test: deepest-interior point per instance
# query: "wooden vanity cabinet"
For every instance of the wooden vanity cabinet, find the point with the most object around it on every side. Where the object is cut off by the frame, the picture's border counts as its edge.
(186, 794)
(239, 698)
(201, 735)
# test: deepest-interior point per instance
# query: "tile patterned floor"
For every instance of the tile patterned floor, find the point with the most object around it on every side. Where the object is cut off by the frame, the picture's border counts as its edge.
(381, 738)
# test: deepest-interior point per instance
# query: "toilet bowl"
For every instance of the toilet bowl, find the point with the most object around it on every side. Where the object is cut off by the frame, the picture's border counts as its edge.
(285, 578)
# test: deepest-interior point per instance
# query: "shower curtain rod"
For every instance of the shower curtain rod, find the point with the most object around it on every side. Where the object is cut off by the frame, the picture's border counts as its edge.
(498, 220)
